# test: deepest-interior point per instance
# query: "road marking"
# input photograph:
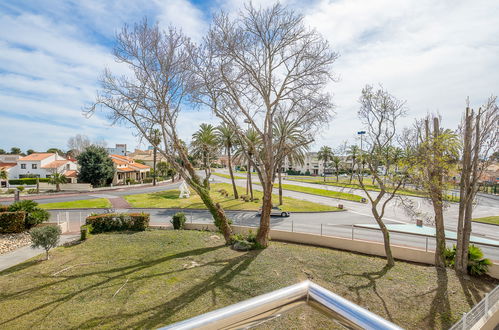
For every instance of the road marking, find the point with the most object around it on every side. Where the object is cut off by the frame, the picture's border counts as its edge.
(370, 215)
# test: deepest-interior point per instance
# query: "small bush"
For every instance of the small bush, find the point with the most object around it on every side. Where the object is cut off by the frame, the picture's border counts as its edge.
(178, 220)
(85, 232)
(477, 264)
(4, 208)
(256, 200)
(12, 222)
(20, 188)
(148, 180)
(131, 181)
(11, 191)
(27, 181)
(245, 198)
(45, 237)
(118, 222)
(31, 191)
(34, 214)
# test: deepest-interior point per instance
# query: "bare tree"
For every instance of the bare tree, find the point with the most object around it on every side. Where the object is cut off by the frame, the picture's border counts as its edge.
(435, 155)
(379, 112)
(480, 136)
(259, 65)
(152, 94)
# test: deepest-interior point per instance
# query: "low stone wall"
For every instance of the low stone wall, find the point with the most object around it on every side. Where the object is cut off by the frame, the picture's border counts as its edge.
(63, 225)
(341, 243)
(67, 186)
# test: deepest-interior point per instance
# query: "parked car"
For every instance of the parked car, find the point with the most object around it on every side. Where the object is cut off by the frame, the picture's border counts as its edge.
(276, 211)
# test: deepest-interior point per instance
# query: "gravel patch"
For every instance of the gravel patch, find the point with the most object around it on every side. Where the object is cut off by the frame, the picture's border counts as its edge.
(10, 242)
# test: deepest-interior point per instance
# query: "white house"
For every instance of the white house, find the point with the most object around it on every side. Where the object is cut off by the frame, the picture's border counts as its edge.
(43, 165)
(127, 169)
(313, 165)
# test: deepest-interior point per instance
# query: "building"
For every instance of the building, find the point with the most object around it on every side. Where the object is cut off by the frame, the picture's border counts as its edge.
(7, 162)
(127, 170)
(119, 149)
(313, 166)
(147, 156)
(43, 165)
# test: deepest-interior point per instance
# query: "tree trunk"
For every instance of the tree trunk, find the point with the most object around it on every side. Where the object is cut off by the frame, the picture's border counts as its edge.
(57, 187)
(250, 183)
(351, 173)
(337, 175)
(218, 214)
(280, 186)
(47, 256)
(262, 236)
(440, 234)
(390, 261)
(154, 166)
(236, 195)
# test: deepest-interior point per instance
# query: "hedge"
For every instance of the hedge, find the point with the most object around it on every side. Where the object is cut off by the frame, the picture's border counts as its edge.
(12, 222)
(27, 181)
(4, 208)
(118, 222)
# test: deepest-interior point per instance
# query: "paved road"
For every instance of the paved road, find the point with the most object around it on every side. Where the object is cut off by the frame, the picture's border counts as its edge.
(328, 223)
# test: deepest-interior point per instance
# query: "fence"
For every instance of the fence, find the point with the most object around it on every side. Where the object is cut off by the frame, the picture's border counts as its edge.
(479, 311)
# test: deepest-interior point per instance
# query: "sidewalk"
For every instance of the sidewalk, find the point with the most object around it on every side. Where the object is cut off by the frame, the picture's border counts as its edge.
(22, 254)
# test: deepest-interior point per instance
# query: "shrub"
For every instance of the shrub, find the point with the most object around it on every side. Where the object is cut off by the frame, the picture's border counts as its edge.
(245, 198)
(85, 232)
(148, 180)
(4, 208)
(10, 191)
(118, 222)
(20, 188)
(31, 191)
(12, 222)
(34, 214)
(45, 237)
(131, 181)
(178, 220)
(477, 264)
(27, 181)
(256, 200)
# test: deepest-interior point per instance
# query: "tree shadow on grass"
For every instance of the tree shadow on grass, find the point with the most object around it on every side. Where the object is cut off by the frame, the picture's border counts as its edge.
(19, 267)
(371, 278)
(162, 313)
(440, 305)
(122, 272)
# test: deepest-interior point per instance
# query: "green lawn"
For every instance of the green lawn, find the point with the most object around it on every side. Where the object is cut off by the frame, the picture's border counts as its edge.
(82, 204)
(153, 278)
(370, 187)
(170, 199)
(308, 190)
(227, 176)
(493, 220)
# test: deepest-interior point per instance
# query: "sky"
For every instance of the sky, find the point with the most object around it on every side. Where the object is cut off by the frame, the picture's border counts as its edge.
(432, 54)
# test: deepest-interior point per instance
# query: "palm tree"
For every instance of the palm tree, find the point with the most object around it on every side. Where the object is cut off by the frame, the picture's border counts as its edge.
(352, 154)
(291, 139)
(205, 146)
(248, 146)
(57, 179)
(3, 174)
(325, 154)
(336, 160)
(155, 140)
(227, 139)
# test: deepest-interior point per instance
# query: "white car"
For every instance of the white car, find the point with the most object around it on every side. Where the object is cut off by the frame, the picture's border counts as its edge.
(276, 211)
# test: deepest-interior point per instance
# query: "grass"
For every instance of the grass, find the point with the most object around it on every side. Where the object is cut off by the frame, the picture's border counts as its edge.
(370, 187)
(308, 190)
(170, 199)
(81, 204)
(493, 220)
(227, 176)
(153, 278)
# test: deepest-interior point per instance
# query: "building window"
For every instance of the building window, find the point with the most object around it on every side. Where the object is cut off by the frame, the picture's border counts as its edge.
(23, 166)
(34, 166)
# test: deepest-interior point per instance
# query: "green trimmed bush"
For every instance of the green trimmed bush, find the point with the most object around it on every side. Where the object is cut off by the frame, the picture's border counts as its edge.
(20, 188)
(178, 220)
(85, 232)
(34, 214)
(118, 222)
(27, 181)
(12, 222)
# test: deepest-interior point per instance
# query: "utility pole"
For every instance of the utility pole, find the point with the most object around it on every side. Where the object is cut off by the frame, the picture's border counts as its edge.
(361, 133)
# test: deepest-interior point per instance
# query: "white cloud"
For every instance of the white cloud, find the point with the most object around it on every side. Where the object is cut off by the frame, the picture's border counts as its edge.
(182, 14)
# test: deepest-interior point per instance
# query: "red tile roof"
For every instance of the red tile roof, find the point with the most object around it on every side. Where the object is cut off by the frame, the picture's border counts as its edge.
(7, 165)
(119, 161)
(139, 165)
(37, 156)
(70, 174)
(125, 169)
(55, 164)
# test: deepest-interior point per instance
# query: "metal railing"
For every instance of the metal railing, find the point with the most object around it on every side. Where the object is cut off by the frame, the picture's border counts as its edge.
(479, 311)
(255, 311)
